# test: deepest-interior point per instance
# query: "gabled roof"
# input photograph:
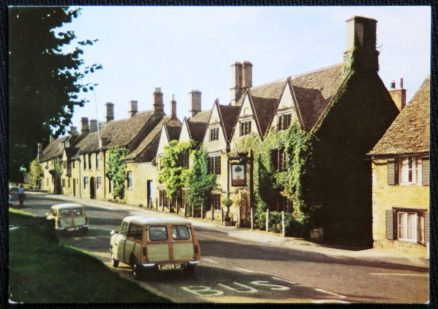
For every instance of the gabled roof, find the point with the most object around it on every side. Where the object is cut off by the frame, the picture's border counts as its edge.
(410, 131)
(264, 109)
(198, 124)
(117, 132)
(228, 115)
(55, 149)
(173, 129)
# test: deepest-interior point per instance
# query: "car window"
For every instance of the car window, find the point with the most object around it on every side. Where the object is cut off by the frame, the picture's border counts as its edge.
(77, 212)
(64, 213)
(157, 233)
(135, 231)
(180, 232)
(124, 228)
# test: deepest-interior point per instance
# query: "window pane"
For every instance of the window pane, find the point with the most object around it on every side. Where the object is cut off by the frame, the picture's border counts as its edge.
(180, 232)
(402, 225)
(77, 212)
(64, 213)
(157, 233)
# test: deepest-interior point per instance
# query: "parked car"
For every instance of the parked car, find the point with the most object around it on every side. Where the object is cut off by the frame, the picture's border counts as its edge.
(69, 217)
(155, 244)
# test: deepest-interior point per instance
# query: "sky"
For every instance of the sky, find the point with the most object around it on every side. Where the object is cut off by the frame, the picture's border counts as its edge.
(181, 49)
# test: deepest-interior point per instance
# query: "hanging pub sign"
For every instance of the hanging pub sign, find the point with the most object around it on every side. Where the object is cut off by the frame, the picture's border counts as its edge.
(238, 174)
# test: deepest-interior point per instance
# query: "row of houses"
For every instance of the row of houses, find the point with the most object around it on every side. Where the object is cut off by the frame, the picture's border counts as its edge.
(370, 186)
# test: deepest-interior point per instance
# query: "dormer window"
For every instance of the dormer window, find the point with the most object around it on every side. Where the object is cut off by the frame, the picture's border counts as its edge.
(214, 134)
(245, 128)
(284, 121)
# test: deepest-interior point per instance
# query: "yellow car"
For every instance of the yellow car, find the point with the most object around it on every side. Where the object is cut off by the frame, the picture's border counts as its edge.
(69, 217)
(155, 244)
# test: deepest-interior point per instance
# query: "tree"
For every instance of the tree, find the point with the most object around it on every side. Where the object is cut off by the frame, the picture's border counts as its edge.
(45, 80)
(35, 174)
(116, 167)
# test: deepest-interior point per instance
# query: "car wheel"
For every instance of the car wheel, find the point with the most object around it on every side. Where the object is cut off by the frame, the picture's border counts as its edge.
(115, 262)
(189, 269)
(136, 271)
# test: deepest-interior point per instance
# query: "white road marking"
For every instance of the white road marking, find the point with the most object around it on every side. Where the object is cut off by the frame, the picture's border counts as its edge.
(243, 269)
(400, 274)
(330, 301)
(330, 293)
(210, 260)
(248, 289)
(290, 282)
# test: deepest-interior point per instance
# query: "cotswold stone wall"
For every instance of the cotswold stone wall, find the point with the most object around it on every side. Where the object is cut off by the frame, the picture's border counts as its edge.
(385, 197)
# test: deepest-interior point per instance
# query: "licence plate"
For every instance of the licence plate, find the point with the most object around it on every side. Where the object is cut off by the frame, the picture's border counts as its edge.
(168, 266)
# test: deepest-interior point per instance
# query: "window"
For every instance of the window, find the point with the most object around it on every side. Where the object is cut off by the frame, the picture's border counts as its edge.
(284, 121)
(124, 228)
(410, 225)
(245, 128)
(85, 162)
(214, 165)
(157, 233)
(278, 157)
(129, 178)
(162, 198)
(408, 170)
(89, 161)
(73, 164)
(97, 160)
(85, 182)
(180, 232)
(109, 186)
(183, 159)
(98, 182)
(77, 212)
(68, 182)
(214, 134)
(64, 213)
(135, 231)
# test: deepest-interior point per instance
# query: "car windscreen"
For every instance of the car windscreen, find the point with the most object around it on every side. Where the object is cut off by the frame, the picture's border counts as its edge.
(77, 212)
(64, 213)
(157, 233)
(180, 232)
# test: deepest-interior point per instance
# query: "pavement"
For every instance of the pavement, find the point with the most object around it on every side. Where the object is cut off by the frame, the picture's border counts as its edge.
(373, 255)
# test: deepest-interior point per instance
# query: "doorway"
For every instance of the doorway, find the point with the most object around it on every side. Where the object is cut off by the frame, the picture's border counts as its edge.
(149, 194)
(74, 186)
(92, 188)
(244, 210)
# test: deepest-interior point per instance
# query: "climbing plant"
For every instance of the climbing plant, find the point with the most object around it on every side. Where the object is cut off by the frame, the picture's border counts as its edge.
(198, 182)
(35, 174)
(116, 167)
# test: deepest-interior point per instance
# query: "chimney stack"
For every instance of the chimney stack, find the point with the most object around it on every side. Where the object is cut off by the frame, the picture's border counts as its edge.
(93, 125)
(109, 111)
(173, 107)
(85, 129)
(398, 95)
(195, 97)
(73, 131)
(247, 75)
(361, 54)
(236, 90)
(158, 101)
(133, 105)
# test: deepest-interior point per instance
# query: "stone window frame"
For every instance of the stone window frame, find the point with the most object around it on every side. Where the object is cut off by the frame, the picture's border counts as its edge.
(214, 134)
(244, 127)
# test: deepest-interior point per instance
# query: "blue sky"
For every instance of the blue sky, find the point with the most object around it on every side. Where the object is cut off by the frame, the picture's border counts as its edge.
(184, 48)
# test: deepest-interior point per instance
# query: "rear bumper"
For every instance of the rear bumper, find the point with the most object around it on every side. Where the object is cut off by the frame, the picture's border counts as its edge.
(151, 265)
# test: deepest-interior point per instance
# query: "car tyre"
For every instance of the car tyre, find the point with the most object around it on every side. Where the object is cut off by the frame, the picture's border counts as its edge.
(189, 269)
(115, 262)
(137, 271)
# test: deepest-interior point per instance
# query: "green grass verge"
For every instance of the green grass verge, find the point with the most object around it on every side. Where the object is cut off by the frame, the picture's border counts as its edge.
(43, 271)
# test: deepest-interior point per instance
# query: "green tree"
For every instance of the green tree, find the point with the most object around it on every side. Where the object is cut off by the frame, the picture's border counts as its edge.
(116, 167)
(45, 80)
(199, 182)
(35, 174)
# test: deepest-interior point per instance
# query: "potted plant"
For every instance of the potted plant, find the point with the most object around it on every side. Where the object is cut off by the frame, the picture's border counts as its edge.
(227, 202)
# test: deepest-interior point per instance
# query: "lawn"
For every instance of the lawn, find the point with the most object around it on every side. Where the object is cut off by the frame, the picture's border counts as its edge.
(43, 271)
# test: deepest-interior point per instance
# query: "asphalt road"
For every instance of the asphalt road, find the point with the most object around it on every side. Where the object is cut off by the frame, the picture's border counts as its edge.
(233, 270)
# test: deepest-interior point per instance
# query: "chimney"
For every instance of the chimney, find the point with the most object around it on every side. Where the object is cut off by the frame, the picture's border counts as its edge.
(361, 54)
(195, 96)
(133, 108)
(39, 150)
(158, 101)
(93, 125)
(109, 111)
(236, 90)
(73, 131)
(85, 129)
(398, 95)
(173, 106)
(247, 74)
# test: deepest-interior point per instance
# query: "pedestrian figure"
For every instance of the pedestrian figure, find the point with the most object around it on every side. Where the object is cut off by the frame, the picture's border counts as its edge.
(21, 195)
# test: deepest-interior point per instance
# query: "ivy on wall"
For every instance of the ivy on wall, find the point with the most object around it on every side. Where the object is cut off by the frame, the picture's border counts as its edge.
(116, 170)
(35, 173)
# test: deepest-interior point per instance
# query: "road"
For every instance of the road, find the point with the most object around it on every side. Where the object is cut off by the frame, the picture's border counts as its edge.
(235, 270)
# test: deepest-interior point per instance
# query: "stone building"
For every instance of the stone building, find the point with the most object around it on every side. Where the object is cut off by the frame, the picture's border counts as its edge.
(400, 167)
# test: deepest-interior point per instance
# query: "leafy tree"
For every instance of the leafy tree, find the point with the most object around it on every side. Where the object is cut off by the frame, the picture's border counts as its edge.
(198, 181)
(45, 80)
(116, 167)
(35, 174)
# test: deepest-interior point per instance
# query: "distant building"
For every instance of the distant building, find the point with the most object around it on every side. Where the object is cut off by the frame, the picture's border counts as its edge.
(400, 166)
